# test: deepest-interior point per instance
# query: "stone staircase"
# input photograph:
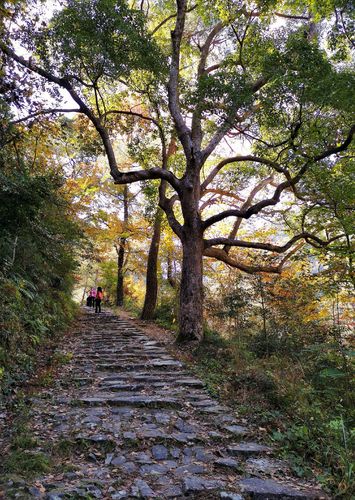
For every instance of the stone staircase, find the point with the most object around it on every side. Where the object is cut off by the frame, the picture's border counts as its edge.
(131, 422)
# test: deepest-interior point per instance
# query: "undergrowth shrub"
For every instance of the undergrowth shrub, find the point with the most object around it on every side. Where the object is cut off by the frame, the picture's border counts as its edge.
(301, 394)
(38, 247)
(166, 312)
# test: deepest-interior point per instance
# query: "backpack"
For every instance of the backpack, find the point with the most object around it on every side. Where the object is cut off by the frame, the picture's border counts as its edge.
(99, 295)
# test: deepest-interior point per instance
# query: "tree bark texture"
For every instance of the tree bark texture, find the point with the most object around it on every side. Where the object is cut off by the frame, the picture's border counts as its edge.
(120, 272)
(121, 250)
(170, 272)
(191, 290)
(151, 293)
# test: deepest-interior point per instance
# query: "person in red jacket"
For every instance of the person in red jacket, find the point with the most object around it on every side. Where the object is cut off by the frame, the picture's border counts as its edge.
(91, 298)
(99, 297)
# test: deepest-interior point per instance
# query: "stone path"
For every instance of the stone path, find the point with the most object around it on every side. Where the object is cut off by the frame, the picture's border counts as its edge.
(126, 420)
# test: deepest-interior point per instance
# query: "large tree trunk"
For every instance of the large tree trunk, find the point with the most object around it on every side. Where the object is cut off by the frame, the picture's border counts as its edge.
(121, 252)
(191, 290)
(151, 291)
(120, 272)
(170, 273)
(191, 287)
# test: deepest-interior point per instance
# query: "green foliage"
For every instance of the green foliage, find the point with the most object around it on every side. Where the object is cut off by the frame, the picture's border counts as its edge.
(23, 442)
(26, 463)
(109, 279)
(322, 441)
(95, 38)
(166, 312)
(292, 375)
(37, 259)
(212, 367)
(62, 358)
(227, 88)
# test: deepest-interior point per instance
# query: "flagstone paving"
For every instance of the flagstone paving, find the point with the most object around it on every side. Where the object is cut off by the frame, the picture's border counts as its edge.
(125, 419)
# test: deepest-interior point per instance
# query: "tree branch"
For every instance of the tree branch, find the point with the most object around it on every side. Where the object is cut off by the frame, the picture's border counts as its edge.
(207, 203)
(219, 254)
(196, 129)
(45, 112)
(282, 15)
(213, 67)
(291, 16)
(253, 210)
(182, 129)
(239, 158)
(291, 182)
(65, 84)
(246, 205)
(151, 173)
(337, 149)
(269, 246)
(228, 124)
(132, 113)
(167, 205)
(224, 192)
(161, 24)
(119, 177)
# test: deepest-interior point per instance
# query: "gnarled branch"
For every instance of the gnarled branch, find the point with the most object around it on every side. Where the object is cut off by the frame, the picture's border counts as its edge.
(309, 237)
(246, 205)
(167, 19)
(234, 159)
(167, 205)
(151, 173)
(219, 254)
(196, 129)
(65, 84)
(291, 182)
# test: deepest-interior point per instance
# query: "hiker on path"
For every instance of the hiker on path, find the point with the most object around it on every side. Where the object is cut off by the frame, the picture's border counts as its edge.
(99, 297)
(92, 297)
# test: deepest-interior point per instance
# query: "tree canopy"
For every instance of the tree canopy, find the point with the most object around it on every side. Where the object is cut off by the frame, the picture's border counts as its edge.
(258, 94)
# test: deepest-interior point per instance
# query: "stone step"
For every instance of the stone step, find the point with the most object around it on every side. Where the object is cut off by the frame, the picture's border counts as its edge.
(143, 427)
(247, 449)
(196, 485)
(161, 365)
(123, 352)
(141, 376)
(236, 430)
(131, 401)
(114, 343)
(113, 333)
(267, 489)
(114, 361)
(153, 382)
(118, 339)
(266, 466)
(227, 463)
(130, 387)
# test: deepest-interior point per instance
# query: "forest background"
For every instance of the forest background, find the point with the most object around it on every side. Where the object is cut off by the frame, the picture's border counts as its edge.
(195, 161)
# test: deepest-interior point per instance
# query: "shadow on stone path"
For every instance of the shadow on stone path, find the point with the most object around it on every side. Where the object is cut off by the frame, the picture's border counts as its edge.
(126, 420)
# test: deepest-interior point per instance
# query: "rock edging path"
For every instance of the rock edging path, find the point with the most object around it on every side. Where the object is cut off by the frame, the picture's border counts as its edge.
(131, 422)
